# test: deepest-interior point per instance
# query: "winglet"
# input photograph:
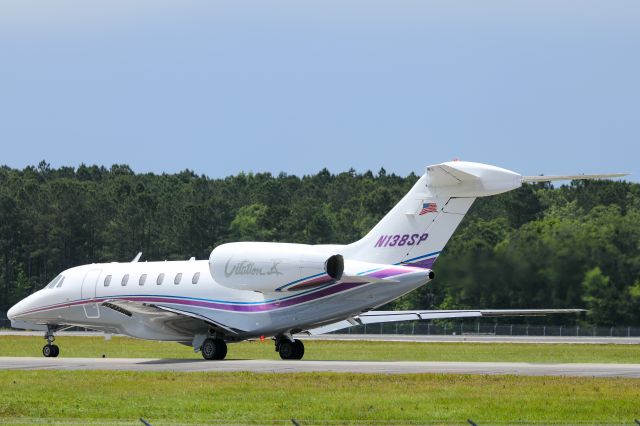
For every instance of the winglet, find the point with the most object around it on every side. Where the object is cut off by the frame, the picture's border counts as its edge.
(138, 256)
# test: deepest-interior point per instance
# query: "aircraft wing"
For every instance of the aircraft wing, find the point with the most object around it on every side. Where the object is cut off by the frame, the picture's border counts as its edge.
(375, 317)
(159, 315)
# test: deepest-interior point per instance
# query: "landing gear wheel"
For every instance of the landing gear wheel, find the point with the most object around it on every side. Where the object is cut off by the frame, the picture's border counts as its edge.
(299, 349)
(50, 351)
(214, 349)
(291, 350)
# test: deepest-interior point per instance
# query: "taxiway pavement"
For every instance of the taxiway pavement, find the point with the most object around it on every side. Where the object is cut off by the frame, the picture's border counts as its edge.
(478, 338)
(279, 366)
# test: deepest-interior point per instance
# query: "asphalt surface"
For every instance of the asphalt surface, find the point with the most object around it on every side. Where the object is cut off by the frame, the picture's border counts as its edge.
(270, 366)
(472, 338)
(476, 338)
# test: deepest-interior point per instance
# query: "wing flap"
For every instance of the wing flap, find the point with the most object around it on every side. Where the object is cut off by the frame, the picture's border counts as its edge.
(154, 311)
(196, 316)
(376, 317)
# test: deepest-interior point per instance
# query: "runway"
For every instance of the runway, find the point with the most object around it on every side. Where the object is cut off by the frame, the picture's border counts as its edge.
(278, 366)
(478, 338)
(470, 338)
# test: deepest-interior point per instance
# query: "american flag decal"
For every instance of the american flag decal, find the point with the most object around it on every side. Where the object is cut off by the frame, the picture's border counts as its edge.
(428, 208)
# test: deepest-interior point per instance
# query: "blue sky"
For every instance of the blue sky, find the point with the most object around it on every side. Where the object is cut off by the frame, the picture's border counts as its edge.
(537, 86)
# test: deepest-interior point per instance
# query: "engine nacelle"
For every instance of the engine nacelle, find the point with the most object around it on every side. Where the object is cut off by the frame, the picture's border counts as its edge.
(269, 267)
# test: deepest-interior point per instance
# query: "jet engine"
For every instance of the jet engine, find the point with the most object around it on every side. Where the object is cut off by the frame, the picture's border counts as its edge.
(269, 267)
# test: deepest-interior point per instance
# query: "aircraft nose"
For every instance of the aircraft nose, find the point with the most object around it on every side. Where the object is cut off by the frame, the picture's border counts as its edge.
(18, 309)
(12, 312)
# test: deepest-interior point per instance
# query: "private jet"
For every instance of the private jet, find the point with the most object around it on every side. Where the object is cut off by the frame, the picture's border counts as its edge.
(250, 290)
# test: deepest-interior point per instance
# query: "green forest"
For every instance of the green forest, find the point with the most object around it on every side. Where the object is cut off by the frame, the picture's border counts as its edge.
(573, 246)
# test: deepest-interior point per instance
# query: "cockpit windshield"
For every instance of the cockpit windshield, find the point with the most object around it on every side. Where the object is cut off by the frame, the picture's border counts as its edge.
(54, 281)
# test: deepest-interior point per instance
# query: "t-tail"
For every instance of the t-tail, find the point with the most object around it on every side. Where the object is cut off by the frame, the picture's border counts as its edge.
(417, 229)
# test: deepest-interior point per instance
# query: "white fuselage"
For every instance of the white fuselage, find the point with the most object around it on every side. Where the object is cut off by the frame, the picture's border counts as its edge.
(83, 297)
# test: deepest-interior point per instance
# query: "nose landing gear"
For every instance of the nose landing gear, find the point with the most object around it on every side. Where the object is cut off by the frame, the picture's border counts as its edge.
(50, 350)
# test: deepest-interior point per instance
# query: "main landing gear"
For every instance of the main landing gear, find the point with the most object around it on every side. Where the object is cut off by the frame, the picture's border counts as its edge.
(50, 350)
(213, 349)
(289, 349)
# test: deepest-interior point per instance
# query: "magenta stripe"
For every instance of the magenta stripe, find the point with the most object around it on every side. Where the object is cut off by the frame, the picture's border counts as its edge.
(425, 263)
(215, 305)
(251, 308)
(389, 272)
(383, 273)
(320, 280)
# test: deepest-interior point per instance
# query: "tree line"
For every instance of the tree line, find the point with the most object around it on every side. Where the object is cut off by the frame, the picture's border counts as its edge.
(577, 245)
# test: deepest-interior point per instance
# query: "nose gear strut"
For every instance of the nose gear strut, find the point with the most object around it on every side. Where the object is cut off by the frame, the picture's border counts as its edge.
(50, 350)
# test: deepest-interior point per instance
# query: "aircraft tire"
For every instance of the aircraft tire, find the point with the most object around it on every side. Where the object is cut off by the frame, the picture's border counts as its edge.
(299, 348)
(213, 349)
(222, 349)
(291, 350)
(48, 351)
(56, 351)
(287, 349)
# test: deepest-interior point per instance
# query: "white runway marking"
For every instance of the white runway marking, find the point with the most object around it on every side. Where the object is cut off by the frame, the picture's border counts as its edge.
(274, 366)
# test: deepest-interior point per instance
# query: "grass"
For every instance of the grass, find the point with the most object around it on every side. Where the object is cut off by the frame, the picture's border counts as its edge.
(123, 347)
(171, 398)
(116, 397)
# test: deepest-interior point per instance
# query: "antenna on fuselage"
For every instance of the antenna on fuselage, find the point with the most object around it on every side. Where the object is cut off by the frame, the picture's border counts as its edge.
(138, 256)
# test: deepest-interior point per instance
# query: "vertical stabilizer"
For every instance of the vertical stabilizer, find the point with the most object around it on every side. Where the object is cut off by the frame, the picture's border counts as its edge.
(416, 230)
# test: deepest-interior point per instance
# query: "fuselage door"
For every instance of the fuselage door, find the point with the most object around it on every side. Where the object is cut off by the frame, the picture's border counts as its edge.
(88, 291)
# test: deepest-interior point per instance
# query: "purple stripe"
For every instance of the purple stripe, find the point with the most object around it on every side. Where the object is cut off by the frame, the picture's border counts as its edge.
(389, 272)
(61, 305)
(253, 308)
(215, 305)
(425, 263)
(383, 273)
(320, 280)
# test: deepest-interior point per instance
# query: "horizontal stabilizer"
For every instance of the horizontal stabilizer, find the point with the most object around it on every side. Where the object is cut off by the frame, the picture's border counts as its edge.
(571, 177)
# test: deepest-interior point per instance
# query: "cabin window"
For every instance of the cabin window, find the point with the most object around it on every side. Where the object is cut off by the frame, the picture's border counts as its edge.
(195, 278)
(125, 280)
(160, 279)
(178, 278)
(60, 283)
(54, 281)
(107, 280)
(143, 278)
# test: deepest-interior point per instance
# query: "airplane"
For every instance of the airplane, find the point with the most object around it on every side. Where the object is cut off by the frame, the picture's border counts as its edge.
(250, 290)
